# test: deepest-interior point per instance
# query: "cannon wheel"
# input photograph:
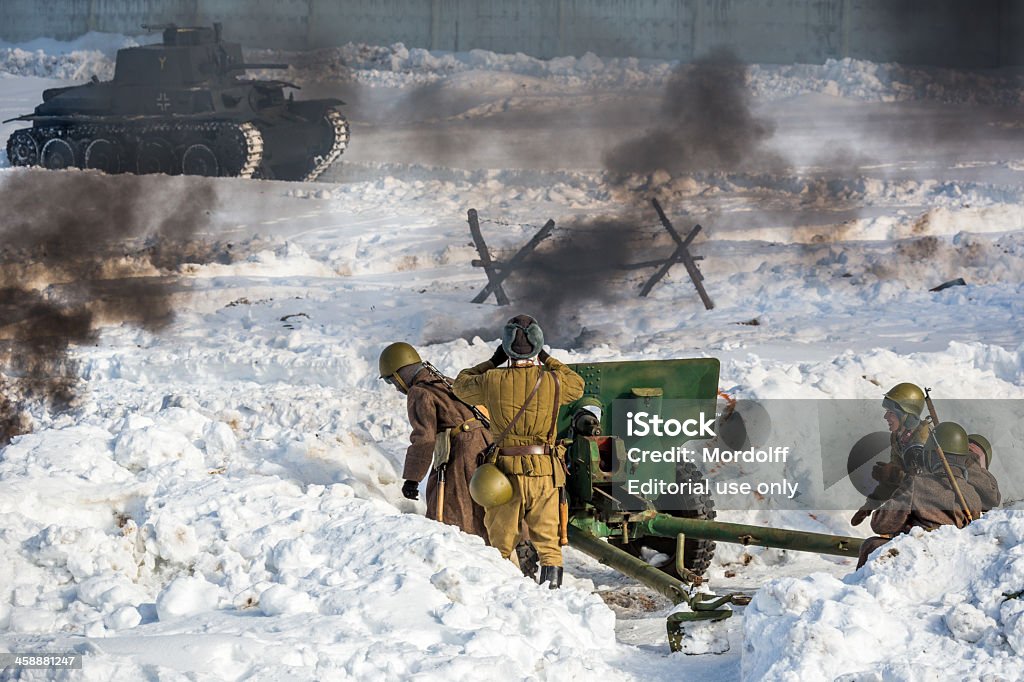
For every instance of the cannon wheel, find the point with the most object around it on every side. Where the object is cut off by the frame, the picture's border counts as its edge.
(697, 554)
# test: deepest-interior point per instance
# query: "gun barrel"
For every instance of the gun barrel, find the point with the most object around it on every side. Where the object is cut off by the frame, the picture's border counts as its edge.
(243, 67)
(664, 525)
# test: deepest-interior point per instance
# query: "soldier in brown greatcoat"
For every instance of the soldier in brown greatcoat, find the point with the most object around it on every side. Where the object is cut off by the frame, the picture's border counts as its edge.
(925, 495)
(438, 418)
(981, 448)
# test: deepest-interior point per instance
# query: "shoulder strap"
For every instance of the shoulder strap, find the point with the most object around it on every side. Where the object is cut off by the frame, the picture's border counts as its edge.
(508, 427)
(554, 413)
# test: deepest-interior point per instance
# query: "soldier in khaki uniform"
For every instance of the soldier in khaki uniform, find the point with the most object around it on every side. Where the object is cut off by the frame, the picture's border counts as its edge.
(903, 405)
(526, 452)
(435, 413)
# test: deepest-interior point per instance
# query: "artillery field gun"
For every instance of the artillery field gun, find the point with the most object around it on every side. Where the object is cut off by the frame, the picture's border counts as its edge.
(686, 529)
(180, 107)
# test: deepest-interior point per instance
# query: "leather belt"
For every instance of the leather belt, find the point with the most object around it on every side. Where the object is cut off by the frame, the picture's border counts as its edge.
(525, 450)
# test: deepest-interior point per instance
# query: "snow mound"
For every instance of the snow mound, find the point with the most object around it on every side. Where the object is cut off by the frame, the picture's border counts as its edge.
(91, 54)
(939, 605)
(141, 535)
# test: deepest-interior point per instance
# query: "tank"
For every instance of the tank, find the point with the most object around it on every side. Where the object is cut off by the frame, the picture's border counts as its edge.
(183, 106)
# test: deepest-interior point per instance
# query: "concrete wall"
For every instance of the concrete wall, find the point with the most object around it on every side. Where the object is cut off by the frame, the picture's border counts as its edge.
(969, 33)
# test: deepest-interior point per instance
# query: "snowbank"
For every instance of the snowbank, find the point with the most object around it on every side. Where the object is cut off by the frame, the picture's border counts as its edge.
(162, 529)
(939, 605)
(80, 59)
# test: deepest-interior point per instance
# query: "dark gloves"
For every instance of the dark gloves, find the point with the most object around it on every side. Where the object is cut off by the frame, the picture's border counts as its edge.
(887, 472)
(500, 357)
(543, 355)
(861, 514)
(411, 490)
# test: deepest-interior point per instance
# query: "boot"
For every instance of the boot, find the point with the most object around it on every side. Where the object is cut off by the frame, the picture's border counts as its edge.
(529, 560)
(551, 575)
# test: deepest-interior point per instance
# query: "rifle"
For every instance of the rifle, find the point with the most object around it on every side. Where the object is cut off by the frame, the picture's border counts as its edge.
(942, 455)
(451, 389)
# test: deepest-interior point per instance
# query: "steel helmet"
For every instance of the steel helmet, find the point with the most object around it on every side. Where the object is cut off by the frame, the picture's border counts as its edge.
(395, 357)
(905, 398)
(982, 443)
(952, 438)
(489, 487)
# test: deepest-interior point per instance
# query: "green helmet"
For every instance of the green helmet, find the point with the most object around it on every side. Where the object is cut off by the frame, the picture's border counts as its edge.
(952, 439)
(489, 487)
(905, 398)
(982, 443)
(396, 356)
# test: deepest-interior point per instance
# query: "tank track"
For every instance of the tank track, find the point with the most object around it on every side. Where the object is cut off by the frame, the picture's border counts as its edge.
(341, 136)
(201, 148)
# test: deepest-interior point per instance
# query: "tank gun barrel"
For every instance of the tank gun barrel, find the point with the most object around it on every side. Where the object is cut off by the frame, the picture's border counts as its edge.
(663, 525)
(257, 65)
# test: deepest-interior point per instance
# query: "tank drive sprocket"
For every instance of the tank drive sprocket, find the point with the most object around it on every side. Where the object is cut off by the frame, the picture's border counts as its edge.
(336, 134)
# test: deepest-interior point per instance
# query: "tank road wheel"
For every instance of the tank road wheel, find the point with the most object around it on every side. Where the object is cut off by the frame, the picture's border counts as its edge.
(199, 159)
(104, 155)
(154, 155)
(57, 154)
(697, 554)
(238, 150)
(22, 148)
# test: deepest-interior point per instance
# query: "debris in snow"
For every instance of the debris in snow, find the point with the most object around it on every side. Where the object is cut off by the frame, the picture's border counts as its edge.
(958, 282)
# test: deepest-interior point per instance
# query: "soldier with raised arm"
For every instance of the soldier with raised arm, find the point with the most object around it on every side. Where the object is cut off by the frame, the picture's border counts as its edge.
(523, 400)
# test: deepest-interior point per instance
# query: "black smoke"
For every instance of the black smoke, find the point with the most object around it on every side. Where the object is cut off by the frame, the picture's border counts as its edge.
(586, 263)
(705, 123)
(79, 250)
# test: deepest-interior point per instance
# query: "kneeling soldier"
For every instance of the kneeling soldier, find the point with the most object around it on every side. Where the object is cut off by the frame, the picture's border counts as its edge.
(927, 496)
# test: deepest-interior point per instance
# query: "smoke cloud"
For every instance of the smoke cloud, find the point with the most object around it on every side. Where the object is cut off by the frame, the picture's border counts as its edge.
(81, 249)
(705, 123)
(586, 264)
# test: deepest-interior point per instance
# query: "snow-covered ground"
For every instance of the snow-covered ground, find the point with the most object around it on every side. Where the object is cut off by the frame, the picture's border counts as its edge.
(221, 501)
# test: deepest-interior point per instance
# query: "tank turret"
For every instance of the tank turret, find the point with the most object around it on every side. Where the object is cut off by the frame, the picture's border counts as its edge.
(183, 106)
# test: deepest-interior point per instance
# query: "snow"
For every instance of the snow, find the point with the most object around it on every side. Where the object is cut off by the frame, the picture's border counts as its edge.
(894, 619)
(229, 486)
